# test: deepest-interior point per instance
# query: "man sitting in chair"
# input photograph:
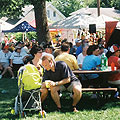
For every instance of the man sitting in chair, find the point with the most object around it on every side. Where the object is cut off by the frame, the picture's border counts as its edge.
(60, 78)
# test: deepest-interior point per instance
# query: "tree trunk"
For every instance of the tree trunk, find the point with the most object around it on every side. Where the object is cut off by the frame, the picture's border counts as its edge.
(42, 29)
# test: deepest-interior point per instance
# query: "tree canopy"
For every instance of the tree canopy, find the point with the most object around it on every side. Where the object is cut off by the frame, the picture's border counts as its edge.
(68, 6)
(13, 9)
(106, 3)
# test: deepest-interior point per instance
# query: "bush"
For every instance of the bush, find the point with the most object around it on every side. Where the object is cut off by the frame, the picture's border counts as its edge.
(19, 35)
(31, 35)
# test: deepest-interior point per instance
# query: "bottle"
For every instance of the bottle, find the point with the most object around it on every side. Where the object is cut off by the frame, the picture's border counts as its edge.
(104, 62)
(112, 66)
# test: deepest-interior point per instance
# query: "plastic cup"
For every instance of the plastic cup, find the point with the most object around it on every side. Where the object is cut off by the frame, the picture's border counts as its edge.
(47, 83)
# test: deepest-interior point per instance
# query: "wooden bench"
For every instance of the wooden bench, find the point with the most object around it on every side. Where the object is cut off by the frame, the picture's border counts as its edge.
(103, 94)
(98, 89)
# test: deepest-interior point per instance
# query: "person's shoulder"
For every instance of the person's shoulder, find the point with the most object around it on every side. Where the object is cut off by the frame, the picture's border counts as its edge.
(13, 52)
(72, 57)
(60, 63)
(80, 47)
(97, 58)
(1, 51)
(80, 55)
(9, 52)
(61, 56)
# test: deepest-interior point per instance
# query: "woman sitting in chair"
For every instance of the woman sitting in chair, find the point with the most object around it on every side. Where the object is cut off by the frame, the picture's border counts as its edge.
(36, 52)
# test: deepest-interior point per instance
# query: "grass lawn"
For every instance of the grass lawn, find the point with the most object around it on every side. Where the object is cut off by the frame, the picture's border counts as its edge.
(88, 108)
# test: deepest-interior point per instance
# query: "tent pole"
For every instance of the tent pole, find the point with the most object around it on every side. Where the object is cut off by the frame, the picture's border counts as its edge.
(23, 36)
(0, 32)
(67, 34)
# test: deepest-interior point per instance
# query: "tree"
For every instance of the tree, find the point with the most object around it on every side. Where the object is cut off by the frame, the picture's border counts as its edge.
(106, 3)
(117, 4)
(41, 19)
(11, 8)
(14, 8)
(68, 6)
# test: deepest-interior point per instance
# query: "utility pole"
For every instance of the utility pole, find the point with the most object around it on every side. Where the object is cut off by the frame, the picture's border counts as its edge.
(98, 7)
(87, 3)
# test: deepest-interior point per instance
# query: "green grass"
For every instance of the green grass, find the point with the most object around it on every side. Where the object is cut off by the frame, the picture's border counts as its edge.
(88, 108)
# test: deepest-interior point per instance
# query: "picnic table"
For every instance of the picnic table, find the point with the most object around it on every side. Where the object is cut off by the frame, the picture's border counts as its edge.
(95, 72)
(104, 90)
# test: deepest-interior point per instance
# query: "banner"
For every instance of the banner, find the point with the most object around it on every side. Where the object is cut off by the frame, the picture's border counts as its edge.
(109, 28)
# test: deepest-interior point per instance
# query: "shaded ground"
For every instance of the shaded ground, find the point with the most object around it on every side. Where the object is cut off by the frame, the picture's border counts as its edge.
(89, 108)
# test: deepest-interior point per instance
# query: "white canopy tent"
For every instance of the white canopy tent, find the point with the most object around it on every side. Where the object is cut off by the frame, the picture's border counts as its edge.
(100, 21)
(4, 26)
(80, 21)
(73, 22)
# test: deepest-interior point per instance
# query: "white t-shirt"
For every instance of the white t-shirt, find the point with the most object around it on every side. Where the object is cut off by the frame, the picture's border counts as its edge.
(4, 57)
(80, 58)
(18, 57)
(24, 49)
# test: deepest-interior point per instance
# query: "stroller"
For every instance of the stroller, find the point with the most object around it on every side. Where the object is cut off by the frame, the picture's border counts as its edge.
(28, 98)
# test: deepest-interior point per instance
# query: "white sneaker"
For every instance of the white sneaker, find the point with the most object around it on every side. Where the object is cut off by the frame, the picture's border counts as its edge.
(0, 76)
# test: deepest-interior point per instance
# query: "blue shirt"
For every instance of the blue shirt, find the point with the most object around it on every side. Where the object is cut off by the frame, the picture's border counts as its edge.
(79, 50)
(91, 62)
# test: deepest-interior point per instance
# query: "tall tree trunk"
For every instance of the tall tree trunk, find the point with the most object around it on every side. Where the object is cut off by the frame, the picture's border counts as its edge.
(41, 22)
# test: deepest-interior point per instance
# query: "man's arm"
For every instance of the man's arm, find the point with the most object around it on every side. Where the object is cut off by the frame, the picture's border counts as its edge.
(62, 82)
(11, 62)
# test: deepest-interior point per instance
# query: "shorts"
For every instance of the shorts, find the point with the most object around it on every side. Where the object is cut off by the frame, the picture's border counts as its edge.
(5, 65)
(70, 87)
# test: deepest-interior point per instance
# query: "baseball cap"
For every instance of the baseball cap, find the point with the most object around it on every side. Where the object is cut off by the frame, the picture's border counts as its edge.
(114, 48)
(77, 40)
(17, 47)
(6, 47)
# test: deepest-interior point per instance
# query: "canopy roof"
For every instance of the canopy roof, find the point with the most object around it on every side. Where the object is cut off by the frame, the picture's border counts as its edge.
(22, 27)
(73, 22)
(79, 21)
(5, 25)
(100, 21)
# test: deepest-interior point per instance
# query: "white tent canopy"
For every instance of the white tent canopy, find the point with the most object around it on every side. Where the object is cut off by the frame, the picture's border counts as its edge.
(5, 26)
(100, 21)
(80, 21)
(73, 22)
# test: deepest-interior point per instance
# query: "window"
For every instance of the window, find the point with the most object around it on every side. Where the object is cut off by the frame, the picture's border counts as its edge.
(48, 13)
(54, 14)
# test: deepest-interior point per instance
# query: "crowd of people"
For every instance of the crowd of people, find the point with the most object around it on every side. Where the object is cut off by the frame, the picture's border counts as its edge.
(57, 64)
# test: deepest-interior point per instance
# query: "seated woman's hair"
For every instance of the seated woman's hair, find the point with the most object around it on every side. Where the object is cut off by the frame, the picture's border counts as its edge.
(35, 49)
(91, 49)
